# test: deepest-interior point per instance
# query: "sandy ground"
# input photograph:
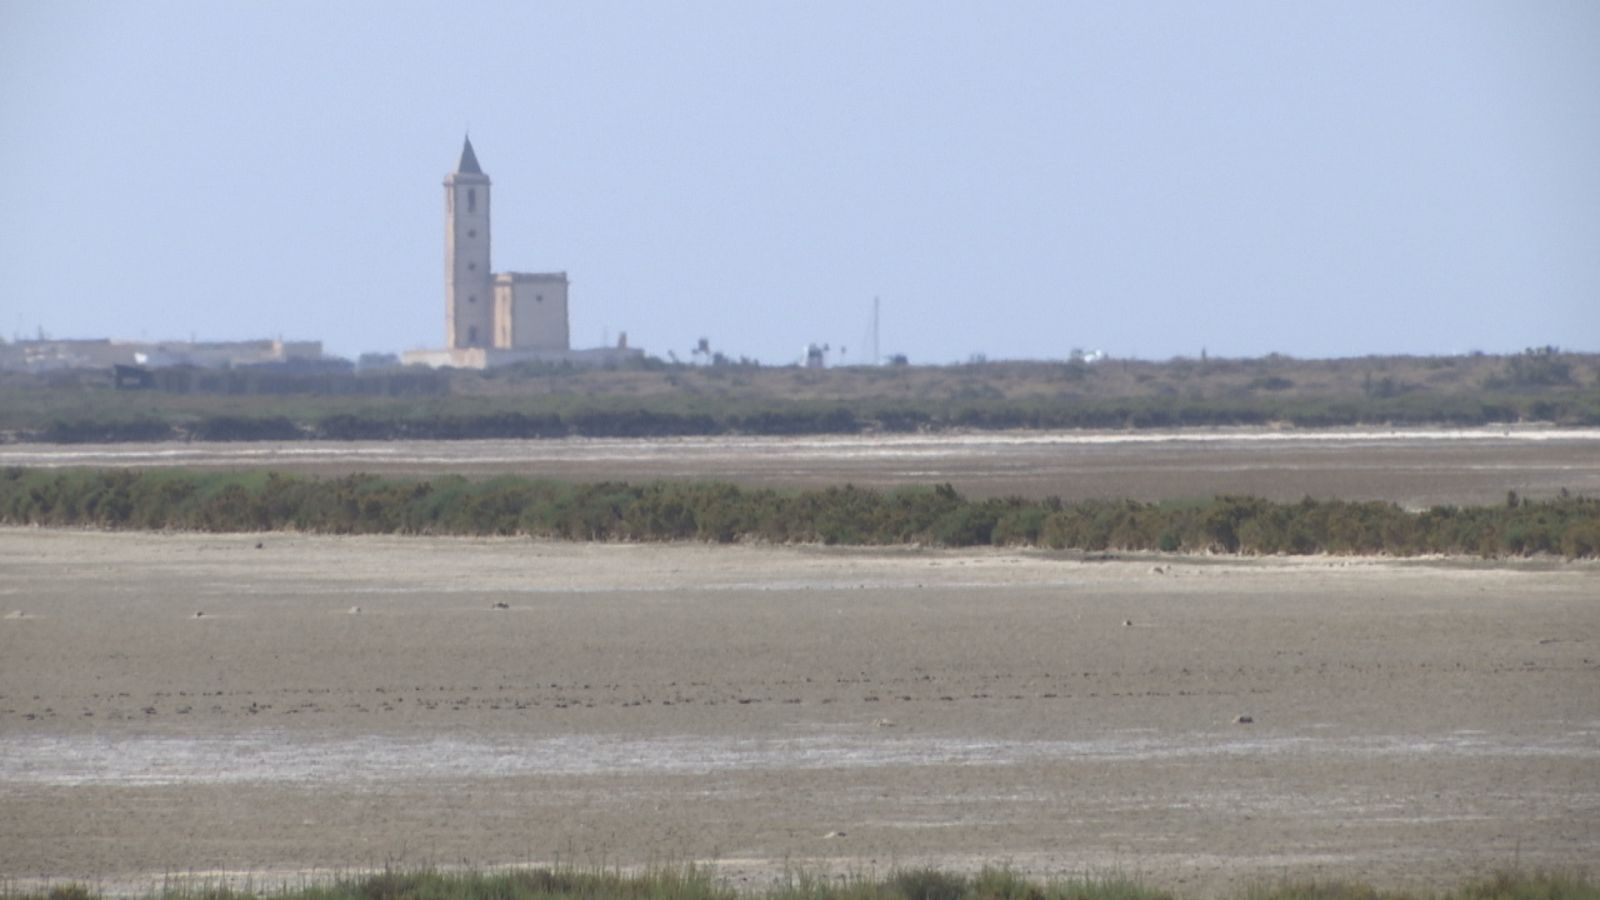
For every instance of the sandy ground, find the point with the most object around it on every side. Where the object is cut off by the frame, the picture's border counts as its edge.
(759, 707)
(1415, 467)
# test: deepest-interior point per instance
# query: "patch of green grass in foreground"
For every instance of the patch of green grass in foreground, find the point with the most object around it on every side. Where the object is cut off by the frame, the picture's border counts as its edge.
(692, 883)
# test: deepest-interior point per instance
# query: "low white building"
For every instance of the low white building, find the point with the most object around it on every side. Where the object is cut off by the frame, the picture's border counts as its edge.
(49, 355)
(530, 311)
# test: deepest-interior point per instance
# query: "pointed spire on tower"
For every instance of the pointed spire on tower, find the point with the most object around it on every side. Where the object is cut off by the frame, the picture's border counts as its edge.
(469, 160)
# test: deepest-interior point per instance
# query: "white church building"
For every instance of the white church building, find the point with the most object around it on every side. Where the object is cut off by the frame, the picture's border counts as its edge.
(494, 319)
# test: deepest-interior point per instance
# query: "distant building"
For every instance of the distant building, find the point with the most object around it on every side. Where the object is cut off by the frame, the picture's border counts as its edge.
(45, 355)
(375, 362)
(497, 319)
(530, 311)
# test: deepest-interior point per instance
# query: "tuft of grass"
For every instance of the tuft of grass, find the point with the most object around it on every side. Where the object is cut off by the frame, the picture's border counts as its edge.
(1534, 886)
(1499, 886)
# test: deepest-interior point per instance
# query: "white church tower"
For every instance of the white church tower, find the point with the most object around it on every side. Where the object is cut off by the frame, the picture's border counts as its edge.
(497, 319)
(469, 286)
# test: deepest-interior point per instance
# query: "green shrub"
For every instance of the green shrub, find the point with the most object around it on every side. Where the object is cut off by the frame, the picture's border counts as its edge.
(691, 883)
(928, 884)
(724, 513)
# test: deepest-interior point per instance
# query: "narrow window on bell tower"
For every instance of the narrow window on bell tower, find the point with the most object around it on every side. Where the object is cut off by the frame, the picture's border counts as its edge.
(472, 200)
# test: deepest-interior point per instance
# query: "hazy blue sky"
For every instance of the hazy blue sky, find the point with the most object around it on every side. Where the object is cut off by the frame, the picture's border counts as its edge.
(1011, 178)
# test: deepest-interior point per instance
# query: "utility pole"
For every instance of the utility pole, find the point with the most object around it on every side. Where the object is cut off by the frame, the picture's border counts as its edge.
(876, 359)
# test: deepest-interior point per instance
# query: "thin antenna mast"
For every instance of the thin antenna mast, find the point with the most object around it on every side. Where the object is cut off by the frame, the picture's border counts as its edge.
(876, 359)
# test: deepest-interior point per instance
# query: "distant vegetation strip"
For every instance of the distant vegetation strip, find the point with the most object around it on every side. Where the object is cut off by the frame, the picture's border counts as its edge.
(1568, 526)
(994, 883)
(654, 399)
(670, 416)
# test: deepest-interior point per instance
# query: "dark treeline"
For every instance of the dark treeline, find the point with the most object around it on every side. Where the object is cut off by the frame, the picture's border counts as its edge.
(704, 511)
(813, 419)
(654, 399)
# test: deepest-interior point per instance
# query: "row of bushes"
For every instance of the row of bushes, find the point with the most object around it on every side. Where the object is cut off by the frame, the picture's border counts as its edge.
(708, 511)
(692, 883)
(644, 421)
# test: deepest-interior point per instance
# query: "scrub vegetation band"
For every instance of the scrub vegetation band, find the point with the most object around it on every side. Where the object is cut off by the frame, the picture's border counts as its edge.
(1566, 525)
(692, 883)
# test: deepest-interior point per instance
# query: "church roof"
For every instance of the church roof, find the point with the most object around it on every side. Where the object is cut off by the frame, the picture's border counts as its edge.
(469, 160)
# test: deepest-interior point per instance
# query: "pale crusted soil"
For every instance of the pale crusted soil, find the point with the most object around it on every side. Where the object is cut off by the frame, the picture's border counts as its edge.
(1412, 721)
(1416, 467)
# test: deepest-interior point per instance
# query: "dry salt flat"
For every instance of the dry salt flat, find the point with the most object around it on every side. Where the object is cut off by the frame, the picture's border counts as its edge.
(1417, 467)
(1197, 722)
